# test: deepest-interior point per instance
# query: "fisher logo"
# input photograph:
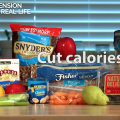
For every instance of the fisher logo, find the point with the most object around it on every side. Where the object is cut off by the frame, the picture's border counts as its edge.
(62, 76)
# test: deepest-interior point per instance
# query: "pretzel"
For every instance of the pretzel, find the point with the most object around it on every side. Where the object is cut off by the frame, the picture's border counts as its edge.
(24, 73)
(27, 72)
(33, 71)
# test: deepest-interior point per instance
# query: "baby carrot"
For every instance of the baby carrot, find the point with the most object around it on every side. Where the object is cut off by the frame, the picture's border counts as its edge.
(71, 96)
(63, 97)
(61, 94)
(83, 102)
(51, 102)
(73, 92)
(78, 100)
(61, 102)
(52, 97)
(70, 99)
(78, 95)
(74, 102)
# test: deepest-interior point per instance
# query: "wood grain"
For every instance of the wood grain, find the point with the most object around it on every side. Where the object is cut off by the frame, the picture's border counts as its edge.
(59, 112)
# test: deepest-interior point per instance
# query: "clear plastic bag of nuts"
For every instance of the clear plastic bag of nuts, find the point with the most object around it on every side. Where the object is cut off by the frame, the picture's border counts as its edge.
(109, 82)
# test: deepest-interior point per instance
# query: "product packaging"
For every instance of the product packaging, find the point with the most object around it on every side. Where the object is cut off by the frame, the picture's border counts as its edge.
(109, 82)
(66, 81)
(9, 72)
(38, 89)
(14, 99)
(116, 42)
(27, 42)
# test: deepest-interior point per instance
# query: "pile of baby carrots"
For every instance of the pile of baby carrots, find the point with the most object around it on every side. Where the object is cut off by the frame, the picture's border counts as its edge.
(73, 97)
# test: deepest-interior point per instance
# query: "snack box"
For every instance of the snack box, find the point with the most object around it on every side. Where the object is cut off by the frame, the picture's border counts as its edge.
(9, 71)
(109, 82)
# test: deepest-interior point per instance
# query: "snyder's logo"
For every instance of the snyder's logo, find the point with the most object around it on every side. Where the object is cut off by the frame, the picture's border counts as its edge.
(62, 76)
(30, 50)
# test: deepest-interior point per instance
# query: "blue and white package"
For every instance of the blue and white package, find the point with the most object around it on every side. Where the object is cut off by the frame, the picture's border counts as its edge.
(67, 77)
(27, 42)
(38, 89)
(57, 72)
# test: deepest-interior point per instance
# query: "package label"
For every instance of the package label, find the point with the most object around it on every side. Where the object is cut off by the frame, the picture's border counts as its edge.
(9, 71)
(38, 92)
(112, 84)
(58, 72)
(73, 82)
(30, 50)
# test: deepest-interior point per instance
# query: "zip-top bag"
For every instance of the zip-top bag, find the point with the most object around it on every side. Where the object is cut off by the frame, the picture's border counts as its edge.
(27, 42)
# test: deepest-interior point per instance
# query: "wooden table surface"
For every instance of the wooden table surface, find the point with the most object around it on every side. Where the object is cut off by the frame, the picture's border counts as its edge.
(59, 112)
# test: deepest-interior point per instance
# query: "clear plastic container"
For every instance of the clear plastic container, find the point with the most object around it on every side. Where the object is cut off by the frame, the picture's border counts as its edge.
(14, 99)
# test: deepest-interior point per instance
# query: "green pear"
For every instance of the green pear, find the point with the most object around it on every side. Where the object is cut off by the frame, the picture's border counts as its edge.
(94, 95)
(106, 97)
(100, 100)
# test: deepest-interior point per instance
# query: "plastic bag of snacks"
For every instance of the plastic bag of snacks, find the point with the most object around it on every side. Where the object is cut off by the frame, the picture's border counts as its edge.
(68, 80)
(14, 99)
(109, 82)
(27, 42)
(65, 95)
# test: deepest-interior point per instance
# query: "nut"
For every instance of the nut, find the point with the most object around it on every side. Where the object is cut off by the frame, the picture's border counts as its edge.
(47, 97)
(28, 88)
(35, 100)
(43, 100)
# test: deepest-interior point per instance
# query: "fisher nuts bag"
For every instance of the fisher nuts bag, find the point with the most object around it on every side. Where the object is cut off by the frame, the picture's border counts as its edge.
(27, 42)
(66, 81)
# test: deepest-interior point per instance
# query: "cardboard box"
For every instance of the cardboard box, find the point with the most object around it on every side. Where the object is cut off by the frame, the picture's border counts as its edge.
(9, 71)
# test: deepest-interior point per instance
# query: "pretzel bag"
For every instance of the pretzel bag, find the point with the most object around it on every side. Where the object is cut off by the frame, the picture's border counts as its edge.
(27, 42)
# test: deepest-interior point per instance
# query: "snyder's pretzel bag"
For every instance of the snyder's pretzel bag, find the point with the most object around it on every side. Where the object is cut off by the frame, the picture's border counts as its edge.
(27, 42)
(66, 81)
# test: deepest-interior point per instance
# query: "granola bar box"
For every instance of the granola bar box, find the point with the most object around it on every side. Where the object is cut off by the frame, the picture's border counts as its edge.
(27, 42)
(9, 72)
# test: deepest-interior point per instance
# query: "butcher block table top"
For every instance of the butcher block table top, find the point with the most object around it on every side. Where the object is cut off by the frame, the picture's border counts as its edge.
(60, 112)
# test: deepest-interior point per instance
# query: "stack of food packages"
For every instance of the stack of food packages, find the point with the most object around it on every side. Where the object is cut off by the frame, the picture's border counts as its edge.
(59, 84)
